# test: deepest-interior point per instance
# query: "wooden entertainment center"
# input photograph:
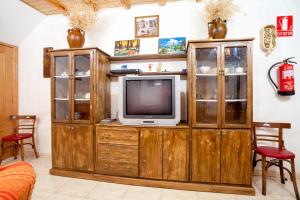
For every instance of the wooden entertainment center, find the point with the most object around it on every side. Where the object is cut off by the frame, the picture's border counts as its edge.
(210, 152)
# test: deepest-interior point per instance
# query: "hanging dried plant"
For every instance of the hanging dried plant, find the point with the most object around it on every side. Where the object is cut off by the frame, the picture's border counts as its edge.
(223, 9)
(81, 15)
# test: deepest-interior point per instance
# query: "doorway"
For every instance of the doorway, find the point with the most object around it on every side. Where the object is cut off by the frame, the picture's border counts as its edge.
(8, 89)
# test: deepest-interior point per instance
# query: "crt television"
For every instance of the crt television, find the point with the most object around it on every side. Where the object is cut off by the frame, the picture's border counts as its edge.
(149, 100)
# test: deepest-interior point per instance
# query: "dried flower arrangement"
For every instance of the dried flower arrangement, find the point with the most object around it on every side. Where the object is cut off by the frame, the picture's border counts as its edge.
(81, 15)
(223, 9)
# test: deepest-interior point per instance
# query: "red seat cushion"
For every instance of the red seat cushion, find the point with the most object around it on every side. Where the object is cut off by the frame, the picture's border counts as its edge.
(16, 137)
(274, 152)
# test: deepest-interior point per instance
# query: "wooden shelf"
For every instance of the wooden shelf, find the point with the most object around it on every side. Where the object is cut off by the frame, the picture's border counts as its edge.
(151, 74)
(149, 57)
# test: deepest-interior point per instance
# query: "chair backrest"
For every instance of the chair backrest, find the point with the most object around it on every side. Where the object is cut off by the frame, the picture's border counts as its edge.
(269, 136)
(24, 123)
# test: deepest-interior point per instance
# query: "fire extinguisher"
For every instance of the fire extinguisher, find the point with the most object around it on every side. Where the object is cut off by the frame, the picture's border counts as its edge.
(285, 72)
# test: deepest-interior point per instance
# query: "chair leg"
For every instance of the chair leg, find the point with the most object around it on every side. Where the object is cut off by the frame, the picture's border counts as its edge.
(264, 175)
(34, 148)
(22, 149)
(281, 172)
(16, 149)
(2, 152)
(254, 161)
(294, 179)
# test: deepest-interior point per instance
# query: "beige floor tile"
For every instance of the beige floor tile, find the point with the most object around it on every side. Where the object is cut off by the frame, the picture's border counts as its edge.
(77, 187)
(36, 195)
(168, 194)
(107, 191)
(49, 183)
(63, 197)
(142, 193)
(215, 196)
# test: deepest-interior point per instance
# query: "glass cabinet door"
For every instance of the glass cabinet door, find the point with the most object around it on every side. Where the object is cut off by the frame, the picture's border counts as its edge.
(61, 88)
(82, 81)
(206, 87)
(235, 86)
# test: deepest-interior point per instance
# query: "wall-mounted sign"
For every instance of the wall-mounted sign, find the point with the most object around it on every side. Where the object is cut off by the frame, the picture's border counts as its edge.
(284, 26)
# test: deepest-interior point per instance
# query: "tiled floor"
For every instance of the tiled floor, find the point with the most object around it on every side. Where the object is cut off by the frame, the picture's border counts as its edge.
(50, 187)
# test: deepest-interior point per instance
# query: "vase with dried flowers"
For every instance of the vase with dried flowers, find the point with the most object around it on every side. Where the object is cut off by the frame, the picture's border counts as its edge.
(217, 12)
(82, 17)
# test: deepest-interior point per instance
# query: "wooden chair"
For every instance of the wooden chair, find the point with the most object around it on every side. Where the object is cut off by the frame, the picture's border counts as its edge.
(25, 128)
(276, 154)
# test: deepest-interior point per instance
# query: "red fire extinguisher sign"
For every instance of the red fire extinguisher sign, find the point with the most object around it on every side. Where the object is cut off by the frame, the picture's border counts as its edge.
(284, 26)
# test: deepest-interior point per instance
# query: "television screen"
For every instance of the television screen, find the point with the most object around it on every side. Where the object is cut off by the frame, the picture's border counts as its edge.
(148, 97)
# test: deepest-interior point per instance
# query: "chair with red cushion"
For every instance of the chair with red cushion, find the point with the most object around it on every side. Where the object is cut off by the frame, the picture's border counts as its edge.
(276, 155)
(25, 128)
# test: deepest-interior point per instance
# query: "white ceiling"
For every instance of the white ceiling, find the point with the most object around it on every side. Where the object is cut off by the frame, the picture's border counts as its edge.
(17, 20)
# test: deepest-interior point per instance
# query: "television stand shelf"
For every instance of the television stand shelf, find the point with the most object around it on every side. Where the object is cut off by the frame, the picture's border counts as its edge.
(116, 123)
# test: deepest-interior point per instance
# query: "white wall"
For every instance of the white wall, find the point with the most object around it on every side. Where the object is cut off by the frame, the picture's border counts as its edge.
(182, 18)
(17, 20)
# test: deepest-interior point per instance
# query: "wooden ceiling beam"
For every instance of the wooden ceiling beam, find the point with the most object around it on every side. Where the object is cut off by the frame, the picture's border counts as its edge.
(162, 2)
(57, 4)
(126, 3)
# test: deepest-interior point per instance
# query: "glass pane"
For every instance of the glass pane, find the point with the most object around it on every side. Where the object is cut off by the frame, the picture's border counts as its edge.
(82, 65)
(206, 61)
(235, 85)
(61, 66)
(206, 86)
(235, 60)
(61, 85)
(206, 112)
(235, 112)
(82, 88)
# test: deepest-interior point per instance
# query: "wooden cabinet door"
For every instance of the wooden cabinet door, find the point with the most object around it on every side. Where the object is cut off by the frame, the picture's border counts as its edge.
(236, 84)
(175, 154)
(151, 153)
(205, 66)
(205, 158)
(61, 146)
(82, 147)
(236, 157)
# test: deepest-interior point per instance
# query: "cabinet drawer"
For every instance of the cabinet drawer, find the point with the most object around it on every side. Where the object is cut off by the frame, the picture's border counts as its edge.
(118, 169)
(127, 136)
(118, 153)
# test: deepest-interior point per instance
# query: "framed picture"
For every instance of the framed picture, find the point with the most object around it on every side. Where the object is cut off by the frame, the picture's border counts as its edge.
(147, 26)
(127, 47)
(175, 45)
